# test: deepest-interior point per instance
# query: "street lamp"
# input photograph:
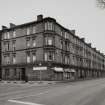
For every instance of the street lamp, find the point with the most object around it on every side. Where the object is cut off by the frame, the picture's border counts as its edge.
(40, 64)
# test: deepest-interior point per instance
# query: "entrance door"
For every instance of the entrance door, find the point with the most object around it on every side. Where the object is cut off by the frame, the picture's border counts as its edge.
(23, 73)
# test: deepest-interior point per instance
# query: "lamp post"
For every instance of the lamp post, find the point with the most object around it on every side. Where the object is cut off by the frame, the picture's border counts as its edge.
(40, 64)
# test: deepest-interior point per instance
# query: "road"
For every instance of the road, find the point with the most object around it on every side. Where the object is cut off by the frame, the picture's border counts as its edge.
(89, 92)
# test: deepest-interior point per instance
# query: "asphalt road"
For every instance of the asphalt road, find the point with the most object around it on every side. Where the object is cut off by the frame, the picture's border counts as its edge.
(89, 92)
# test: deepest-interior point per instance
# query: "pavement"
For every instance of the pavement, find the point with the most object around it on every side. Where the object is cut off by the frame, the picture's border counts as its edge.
(89, 92)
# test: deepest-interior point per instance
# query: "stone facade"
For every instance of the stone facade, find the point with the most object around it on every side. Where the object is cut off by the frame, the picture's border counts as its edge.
(45, 43)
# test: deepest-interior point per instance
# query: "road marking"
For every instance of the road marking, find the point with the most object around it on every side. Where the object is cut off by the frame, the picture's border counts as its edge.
(30, 95)
(22, 102)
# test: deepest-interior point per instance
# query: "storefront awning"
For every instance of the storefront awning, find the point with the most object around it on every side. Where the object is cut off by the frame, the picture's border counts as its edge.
(58, 69)
(67, 70)
(72, 70)
(39, 68)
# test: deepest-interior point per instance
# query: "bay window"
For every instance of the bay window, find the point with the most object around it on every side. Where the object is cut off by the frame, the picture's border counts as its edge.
(49, 26)
(28, 57)
(49, 40)
(49, 56)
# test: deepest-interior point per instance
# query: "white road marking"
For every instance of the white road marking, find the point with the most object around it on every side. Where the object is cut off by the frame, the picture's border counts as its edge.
(22, 102)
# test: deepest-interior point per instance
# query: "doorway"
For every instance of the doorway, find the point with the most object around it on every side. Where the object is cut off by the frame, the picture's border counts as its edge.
(23, 73)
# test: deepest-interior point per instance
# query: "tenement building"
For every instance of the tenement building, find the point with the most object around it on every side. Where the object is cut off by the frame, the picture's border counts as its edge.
(45, 50)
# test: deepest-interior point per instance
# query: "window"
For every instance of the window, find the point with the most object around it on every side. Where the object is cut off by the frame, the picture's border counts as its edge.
(34, 57)
(7, 59)
(6, 35)
(14, 45)
(49, 26)
(28, 57)
(66, 45)
(7, 72)
(45, 56)
(49, 40)
(34, 29)
(61, 44)
(68, 61)
(28, 31)
(28, 42)
(49, 56)
(61, 33)
(14, 58)
(15, 72)
(61, 57)
(66, 35)
(14, 34)
(34, 42)
(65, 59)
(6, 45)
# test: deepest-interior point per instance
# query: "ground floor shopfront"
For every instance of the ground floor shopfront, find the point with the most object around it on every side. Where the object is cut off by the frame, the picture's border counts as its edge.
(36, 75)
(44, 72)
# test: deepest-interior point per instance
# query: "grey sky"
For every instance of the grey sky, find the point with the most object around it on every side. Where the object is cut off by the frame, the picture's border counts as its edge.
(81, 15)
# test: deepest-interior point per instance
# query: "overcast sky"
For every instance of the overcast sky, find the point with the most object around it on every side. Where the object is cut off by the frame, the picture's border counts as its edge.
(82, 15)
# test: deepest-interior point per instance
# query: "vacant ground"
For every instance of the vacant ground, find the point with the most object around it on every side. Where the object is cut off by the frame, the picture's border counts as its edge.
(89, 92)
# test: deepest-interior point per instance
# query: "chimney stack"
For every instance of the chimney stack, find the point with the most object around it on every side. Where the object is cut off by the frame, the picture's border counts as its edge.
(72, 31)
(89, 44)
(83, 39)
(94, 49)
(39, 17)
(4, 27)
(12, 25)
